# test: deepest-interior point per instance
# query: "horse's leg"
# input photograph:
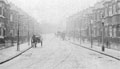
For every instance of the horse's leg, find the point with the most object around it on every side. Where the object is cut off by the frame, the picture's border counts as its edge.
(32, 44)
(35, 44)
(41, 43)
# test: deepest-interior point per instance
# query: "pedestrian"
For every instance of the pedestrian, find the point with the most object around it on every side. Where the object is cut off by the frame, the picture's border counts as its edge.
(107, 44)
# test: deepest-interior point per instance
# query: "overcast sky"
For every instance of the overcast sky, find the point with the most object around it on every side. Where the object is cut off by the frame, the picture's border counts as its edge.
(53, 11)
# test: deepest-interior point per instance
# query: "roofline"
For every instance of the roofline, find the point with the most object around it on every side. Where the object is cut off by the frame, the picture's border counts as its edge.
(5, 1)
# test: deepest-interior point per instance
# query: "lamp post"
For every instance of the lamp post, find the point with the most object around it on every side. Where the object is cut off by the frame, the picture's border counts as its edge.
(11, 31)
(90, 19)
(81, 32)
(91, 33)
(74, 32)
(80, 35)
(103, 47)
(18, 35)
(28, 34)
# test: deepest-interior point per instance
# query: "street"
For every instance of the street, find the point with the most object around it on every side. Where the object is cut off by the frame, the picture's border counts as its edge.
(59, 54)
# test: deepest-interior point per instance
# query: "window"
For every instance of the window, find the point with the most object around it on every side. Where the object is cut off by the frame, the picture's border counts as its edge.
(4, 12)
(0, 32)
(114, 9)
(106, 12)
(101, 14)
(118, 31)
(1, 10)
(95, 17)
(98, 16)
(114, 32)
(118, 7)
(110, 11)
(110, 31)
(3, 32)
(11, 17)
(106, 34)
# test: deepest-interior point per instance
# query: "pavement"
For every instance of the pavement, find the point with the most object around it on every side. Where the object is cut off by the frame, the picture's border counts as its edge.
(59, 54)
(110, 52)
(10, 52)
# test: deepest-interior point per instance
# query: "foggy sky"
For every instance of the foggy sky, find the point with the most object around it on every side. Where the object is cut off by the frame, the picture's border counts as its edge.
(53, 11)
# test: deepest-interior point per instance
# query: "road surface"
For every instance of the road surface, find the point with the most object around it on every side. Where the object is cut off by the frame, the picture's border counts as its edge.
(58, 54)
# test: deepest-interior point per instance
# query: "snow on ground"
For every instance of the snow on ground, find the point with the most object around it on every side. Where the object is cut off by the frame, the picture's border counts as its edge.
(58, 54)
(95, 46)
(12, 51)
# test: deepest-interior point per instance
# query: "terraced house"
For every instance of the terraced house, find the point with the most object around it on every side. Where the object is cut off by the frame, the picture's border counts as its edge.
(15, 24)
(3, 18)
(107, 12)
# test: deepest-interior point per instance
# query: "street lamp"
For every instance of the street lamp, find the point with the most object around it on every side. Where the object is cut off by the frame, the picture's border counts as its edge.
(18, 35)
(11, 34)
(103, 47)
(11, 31)
(91, 33)
(74, 32)
(28, 34)
(80, 36)
(81, 31)
(90, 28)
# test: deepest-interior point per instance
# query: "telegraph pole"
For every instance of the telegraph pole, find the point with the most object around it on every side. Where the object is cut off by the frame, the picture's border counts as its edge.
(103, 47)
(18, 35)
